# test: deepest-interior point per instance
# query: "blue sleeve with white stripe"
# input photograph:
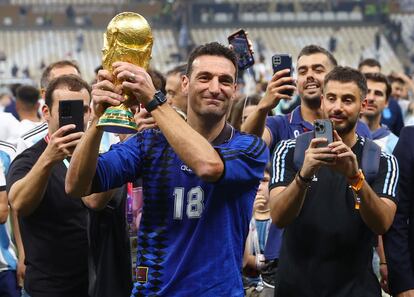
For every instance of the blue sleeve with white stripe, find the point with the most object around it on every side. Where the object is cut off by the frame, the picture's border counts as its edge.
(282, 171)
(385, 184)
(274, 124)
(245, 159)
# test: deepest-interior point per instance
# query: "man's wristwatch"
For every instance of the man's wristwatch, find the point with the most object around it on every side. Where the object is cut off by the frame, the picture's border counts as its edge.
(158, 99)
(356, 182)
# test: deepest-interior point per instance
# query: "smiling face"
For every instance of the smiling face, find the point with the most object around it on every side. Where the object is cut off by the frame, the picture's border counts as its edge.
(210, 87)
(342, 104)
(376, 100)
(312, 70)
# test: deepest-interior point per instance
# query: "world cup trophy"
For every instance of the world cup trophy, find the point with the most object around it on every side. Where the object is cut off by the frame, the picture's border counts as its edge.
(128, 38)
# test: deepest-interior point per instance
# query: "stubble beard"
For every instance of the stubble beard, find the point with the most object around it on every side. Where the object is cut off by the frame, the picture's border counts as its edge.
(313, 102)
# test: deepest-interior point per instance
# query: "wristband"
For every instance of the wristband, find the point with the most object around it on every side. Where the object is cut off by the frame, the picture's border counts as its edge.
(358, 181)
(301, 181)
(383, 263)
(306, 180)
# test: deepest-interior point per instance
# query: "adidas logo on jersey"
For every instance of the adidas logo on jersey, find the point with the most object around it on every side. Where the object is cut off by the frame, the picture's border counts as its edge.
(186, 168)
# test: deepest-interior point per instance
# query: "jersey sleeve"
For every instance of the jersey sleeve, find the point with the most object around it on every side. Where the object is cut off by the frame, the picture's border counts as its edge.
(119, 165)
(282, 170)
(4, 166)
(385, 184)
(273, 124)
(19, 168)
(2, 181)
(244, 160)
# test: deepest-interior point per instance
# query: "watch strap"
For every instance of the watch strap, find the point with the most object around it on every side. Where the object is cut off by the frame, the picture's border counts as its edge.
(155, 102)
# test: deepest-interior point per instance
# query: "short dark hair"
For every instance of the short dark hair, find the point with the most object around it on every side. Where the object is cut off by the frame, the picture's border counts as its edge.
(181, 69)
(381, 78)
(346, 75)
(392, 79)
(369, 62)
(158, 79)
(28, 95)
(45, 79)
(212, 49)
(72, 82)
(316, 49)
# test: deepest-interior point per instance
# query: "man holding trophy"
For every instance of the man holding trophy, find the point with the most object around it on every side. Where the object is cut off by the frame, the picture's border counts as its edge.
(199, 177)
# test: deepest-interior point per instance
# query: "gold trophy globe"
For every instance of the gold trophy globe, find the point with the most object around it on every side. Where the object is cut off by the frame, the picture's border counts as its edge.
(128, 38)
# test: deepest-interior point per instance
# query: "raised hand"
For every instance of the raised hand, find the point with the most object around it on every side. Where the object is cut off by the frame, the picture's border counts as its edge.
(144, 120)
(136, 80)
(105, 93)
(346, 161)
(276, 88)
(60, 145)
(315, 157)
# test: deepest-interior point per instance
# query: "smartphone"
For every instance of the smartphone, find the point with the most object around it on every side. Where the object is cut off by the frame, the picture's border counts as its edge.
(281, 62)
(241, 47)
(323, 128)
(71, 112)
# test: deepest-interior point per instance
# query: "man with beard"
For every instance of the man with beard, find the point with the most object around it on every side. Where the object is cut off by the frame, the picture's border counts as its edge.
(329, 211)
(313, 64)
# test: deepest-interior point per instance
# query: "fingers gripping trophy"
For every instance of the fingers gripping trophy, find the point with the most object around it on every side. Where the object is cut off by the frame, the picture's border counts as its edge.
(128, 38)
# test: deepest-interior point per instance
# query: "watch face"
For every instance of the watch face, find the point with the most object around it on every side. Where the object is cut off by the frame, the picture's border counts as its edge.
(160, 97)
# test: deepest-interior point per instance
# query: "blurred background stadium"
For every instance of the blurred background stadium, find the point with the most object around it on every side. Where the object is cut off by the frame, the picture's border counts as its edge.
(35, 33)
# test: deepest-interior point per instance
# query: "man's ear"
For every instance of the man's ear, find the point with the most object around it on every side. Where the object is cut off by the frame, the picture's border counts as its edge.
(46, 112)
(185, 81)
(363, 107)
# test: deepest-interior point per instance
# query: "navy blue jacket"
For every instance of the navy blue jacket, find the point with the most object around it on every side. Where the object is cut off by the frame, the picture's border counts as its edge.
(399, 241)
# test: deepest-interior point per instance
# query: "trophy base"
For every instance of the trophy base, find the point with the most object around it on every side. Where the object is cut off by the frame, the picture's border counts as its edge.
(119, 120)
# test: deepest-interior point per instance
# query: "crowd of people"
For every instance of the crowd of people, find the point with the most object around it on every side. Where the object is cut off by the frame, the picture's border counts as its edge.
(219, 193)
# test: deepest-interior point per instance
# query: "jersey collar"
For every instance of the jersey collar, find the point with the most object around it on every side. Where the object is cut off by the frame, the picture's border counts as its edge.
(296, 118)
(225, 135)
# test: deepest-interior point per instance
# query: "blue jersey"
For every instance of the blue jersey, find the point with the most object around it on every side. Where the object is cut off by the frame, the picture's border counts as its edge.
(283, 127)
(192, 233)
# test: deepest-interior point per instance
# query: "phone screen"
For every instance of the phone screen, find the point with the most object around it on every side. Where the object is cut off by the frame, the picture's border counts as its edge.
(241, 47)
(71, 112)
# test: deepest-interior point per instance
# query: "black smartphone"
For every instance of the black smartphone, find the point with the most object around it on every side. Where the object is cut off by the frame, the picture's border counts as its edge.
(71, 112)
(241, 47)
(281, 62)
(324, 128)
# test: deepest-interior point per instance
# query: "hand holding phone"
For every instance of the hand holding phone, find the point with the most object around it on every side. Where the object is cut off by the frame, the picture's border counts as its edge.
(281, 62)
(241, 47)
